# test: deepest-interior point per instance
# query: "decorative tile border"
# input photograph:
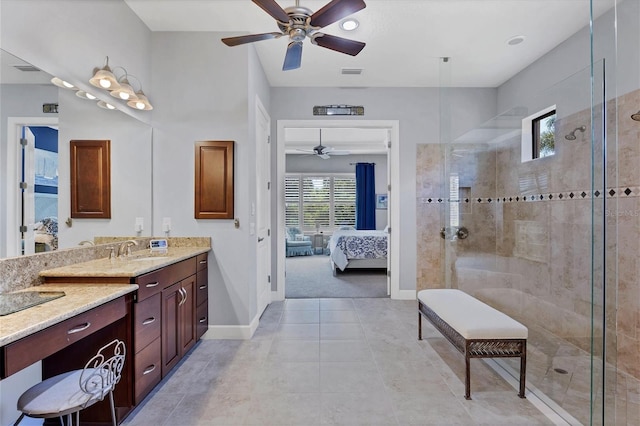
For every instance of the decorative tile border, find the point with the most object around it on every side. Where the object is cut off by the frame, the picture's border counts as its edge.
(621, 192)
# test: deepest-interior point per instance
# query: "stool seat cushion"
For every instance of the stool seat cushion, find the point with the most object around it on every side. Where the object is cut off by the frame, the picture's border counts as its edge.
(60, 395)
(470, 317)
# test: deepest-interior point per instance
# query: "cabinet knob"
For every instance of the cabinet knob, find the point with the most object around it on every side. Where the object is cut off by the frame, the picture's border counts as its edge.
(149, 369)
(79, 328)
(148, 321)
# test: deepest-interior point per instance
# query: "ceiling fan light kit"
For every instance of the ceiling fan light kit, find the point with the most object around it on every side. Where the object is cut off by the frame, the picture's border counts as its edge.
(324, 152)
(298, 23)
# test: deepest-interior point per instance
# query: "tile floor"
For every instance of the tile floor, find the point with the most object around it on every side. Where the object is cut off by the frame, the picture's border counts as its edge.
(333, 362)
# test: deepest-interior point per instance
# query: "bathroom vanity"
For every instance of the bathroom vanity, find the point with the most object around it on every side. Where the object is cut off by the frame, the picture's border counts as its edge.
(158, 304)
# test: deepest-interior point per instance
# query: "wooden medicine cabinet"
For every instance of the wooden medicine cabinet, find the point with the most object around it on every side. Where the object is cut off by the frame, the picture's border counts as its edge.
(90, 179)
(214, 180)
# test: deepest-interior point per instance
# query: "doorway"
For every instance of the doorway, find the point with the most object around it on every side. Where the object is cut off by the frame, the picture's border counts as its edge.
(31, 198)
(391, 128)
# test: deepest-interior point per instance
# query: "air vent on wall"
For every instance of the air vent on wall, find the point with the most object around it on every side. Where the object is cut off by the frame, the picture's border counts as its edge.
(351, 71)
(26, 67)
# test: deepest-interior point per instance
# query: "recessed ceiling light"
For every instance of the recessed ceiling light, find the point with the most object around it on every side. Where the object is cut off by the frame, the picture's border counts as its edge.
(515, 40)
(349, 24)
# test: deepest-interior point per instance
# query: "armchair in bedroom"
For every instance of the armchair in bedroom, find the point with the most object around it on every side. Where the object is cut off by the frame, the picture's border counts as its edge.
(297, 243)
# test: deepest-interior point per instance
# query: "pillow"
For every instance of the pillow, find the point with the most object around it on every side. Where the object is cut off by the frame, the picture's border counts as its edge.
(299, 237)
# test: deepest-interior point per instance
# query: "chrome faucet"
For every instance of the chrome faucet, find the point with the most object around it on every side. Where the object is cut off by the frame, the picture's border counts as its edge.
(124, 249)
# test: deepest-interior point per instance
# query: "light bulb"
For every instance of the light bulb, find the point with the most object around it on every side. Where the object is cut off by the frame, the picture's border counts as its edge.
(90, 96)
(140, 105)
(110, 106)
(105, 83)
(124, 95)
(67, 84)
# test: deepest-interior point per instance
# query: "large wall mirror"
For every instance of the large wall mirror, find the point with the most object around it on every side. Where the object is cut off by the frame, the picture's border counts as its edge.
(36, 214)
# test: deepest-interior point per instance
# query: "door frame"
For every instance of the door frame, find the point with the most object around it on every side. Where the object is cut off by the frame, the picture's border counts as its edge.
(263, 247)
(14, 124)
(393, 159)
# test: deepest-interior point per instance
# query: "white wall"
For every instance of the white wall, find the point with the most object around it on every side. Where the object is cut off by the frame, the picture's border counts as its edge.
(417, 109)
(203, 94)
(130, 169)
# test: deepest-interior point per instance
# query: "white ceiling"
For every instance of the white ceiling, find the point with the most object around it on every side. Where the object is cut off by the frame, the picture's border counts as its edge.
(405, 38)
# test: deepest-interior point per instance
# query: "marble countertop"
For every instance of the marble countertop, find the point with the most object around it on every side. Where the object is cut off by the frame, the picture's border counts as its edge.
(139, 263)
(78, 298)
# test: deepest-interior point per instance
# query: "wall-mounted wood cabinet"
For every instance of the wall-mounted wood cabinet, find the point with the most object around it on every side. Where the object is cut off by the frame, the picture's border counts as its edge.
(214, 180)
(90, 179)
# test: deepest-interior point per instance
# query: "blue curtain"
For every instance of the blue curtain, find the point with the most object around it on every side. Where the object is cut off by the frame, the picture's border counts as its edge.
(365, 196)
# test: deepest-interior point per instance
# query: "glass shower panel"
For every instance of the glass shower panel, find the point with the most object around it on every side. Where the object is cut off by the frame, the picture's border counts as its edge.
(533, 239)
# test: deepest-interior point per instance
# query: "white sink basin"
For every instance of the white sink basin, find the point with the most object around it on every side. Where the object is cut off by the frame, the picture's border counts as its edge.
(145, 259)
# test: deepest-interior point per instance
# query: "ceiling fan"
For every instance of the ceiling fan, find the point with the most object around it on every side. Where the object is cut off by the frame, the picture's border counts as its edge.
(299, 22)
(324, 152)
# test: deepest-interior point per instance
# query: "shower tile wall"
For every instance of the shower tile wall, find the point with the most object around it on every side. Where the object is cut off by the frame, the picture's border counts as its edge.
(532, 259)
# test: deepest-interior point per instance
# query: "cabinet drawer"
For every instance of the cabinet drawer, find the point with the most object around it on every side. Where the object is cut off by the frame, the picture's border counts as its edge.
(146, 321)
(202, 287)
(148, 370)
(26, 351)
(202, 320)
(202, 260)
(152, 283)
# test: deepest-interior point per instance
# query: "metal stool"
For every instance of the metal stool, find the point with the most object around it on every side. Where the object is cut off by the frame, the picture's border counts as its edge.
(68, 393)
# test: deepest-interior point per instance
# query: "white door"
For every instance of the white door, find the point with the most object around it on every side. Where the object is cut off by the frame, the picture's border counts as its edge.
(27, 187)
(389, 213)
(263, 207)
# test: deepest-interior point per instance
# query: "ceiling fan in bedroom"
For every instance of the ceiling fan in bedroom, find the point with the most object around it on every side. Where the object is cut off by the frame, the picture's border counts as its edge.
(324, 152)
(297, 23)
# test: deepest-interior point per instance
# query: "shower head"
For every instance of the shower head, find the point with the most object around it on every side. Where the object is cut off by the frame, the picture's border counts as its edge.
(636, 116)
(572, 136)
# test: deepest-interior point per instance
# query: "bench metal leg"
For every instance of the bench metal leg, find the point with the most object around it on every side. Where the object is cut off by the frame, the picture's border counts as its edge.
(523, 373)
(467, 377)
(419, 326)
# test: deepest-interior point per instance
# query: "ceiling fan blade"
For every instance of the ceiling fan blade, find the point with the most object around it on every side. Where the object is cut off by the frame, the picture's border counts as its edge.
(236, 41)
(334, 11)
(339, 44)
(273, 9)
(293, 59)
(337, 152)
(324, 156)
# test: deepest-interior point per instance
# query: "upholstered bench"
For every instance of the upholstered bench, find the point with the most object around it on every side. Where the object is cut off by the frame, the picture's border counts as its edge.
(476, 329)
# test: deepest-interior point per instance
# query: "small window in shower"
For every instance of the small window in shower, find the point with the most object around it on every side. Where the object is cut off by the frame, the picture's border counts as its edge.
(538, 134)
(543, 135)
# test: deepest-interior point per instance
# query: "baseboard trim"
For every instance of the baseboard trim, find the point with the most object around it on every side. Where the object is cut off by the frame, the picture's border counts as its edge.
(404, 295)
(232, 332)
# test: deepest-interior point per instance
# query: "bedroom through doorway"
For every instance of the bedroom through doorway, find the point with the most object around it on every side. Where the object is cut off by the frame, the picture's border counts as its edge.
(318, 181)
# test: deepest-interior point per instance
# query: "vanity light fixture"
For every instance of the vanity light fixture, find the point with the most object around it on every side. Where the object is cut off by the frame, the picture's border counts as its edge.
(125, 91)
(85, 95)
(106, 105)
(104, 77)
(61, 83)
(141, 102)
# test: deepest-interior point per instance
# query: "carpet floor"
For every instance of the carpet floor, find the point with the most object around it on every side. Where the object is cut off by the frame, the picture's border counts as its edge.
(311, 277)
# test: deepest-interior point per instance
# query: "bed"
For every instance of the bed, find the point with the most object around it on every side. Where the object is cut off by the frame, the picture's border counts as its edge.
(358, 249)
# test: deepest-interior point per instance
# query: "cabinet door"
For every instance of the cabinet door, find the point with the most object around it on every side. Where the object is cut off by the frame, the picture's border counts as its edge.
(90, 179)
(214, 180)
(172, 296)
(188, 315)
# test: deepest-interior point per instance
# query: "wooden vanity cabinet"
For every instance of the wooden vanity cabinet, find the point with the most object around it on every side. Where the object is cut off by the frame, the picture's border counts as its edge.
(164, 322)
(202, 296)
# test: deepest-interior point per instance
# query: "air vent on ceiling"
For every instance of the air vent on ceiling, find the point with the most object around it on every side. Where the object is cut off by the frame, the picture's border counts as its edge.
(351, 71)
(25, 67)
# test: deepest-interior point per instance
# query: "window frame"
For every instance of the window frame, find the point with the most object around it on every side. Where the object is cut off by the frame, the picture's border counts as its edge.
(535, 134)
(526, 150)
(332, 203)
